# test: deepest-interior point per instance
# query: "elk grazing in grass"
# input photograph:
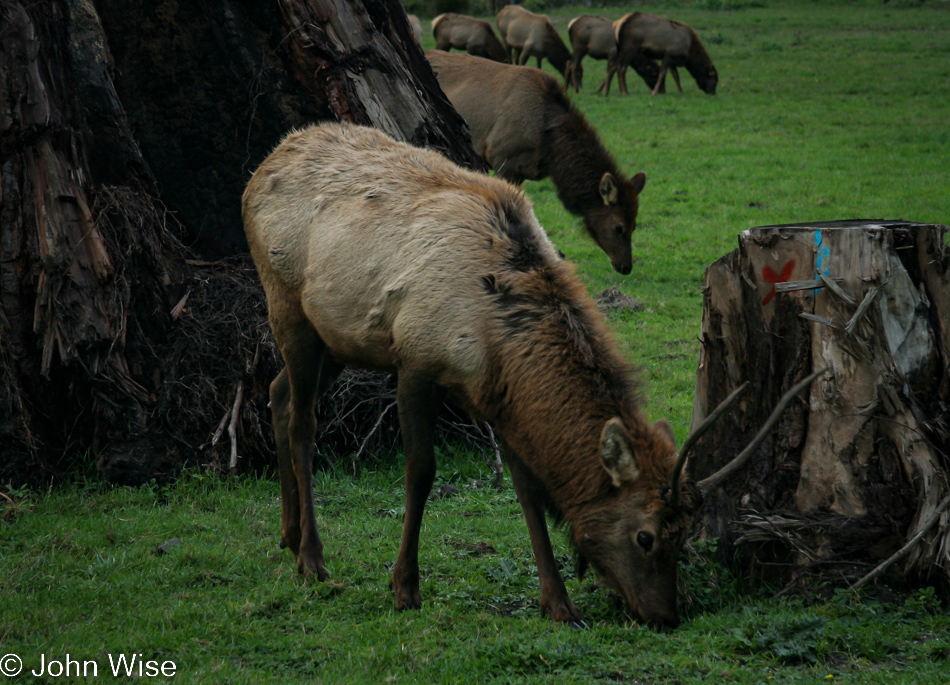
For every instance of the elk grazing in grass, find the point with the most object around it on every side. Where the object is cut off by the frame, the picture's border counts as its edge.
(594, 36)
(474, 36)
(525, 34)
(376, 254)
(643, 38)
(524, 126)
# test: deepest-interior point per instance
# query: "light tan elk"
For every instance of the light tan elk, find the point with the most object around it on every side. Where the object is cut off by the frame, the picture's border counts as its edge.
(525, 35)
(643, 38)
(594, 36)
(416, 27)
(524, 126)
(474, 36)
(376, 254)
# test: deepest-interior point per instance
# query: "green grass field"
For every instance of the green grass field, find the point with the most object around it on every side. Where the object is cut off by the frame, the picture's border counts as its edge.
(825, 110)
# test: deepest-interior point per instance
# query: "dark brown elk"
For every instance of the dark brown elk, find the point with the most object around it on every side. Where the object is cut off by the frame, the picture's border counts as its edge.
(524, 126)
(474, 36)
(376, 254)
(594, 36)
(643, 38)
(525, 35)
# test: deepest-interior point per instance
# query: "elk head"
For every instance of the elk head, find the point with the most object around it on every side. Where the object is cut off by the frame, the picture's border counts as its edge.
(612, 223)
(642, 527)
(708, 80)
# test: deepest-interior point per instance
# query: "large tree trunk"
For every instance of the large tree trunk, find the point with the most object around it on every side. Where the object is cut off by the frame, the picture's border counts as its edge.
(859, 466)
(115, 339)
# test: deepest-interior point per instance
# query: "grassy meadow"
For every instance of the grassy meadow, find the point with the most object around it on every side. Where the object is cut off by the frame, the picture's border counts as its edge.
(825, 110)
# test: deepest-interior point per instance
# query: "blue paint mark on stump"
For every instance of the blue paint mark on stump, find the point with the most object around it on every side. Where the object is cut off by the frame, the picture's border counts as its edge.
(822, 257)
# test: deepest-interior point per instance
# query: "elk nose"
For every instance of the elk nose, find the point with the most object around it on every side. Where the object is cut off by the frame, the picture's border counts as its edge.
(622, 268)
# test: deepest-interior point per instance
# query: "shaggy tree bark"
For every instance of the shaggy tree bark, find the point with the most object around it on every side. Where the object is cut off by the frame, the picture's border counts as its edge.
(114, 339)
(857, 467)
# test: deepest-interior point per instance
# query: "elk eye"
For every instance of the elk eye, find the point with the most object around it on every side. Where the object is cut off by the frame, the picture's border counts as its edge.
(645, 540)
(619, 229)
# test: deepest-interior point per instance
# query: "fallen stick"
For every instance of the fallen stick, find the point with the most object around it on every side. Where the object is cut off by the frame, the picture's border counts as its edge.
(232, 427)
(221, 426)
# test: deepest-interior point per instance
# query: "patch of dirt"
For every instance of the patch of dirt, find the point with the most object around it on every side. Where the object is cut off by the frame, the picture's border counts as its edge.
(612, 301)
(472, 548)
(444, 492)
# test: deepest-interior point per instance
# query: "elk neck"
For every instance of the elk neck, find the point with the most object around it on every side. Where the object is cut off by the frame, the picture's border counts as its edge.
(556, 379)
(577, 159)
(698, 60)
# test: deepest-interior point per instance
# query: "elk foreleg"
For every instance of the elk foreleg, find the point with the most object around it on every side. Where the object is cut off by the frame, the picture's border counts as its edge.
(660, 86)
(575, 72)
(419, 400)
(555, 601)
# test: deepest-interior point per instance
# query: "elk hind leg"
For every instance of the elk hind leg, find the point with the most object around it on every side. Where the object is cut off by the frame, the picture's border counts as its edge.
(289, 491)
(418, 401)
(611, 70)
(308, 373)
(555, 601)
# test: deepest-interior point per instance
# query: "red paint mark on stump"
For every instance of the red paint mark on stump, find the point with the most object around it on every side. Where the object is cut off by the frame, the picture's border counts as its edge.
(768, 273)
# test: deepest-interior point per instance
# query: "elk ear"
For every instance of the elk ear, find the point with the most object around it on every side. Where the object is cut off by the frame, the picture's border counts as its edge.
(637, 182)
(608, 189)
(616, 453)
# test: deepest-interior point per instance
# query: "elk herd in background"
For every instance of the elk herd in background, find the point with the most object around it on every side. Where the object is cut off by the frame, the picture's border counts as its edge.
(652, 45)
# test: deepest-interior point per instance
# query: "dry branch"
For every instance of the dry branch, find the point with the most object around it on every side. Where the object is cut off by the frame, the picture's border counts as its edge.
(232, 427)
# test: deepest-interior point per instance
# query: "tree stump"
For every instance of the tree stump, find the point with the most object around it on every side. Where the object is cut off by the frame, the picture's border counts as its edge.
(859, 465)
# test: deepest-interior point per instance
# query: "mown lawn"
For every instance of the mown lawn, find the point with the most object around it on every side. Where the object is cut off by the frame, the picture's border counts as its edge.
(825, 110)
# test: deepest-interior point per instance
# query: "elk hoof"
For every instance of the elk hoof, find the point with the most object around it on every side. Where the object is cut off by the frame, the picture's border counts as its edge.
(407, 594)
(408, 599)
(565, 613)
(405, 584)
(310, 567)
